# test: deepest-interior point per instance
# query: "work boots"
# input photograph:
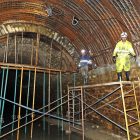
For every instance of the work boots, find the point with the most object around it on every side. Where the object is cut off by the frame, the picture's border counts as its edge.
(86, 81)
(119, 75)
(127, 75)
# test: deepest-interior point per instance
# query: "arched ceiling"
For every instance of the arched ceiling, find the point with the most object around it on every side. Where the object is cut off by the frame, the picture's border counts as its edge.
(100, 23)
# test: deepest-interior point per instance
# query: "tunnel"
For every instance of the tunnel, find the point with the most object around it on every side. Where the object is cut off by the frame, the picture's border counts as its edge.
(69, 69)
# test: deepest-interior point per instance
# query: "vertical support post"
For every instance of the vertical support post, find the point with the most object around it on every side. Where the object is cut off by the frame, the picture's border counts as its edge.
(79, 109)
(82, 108)
(51, 53)
(2, 88)
(68, 108)
(44, 101)
(27, 99)
(58, 97)
(37, 48)
(32, 55)
(49, 103)
(4, 97)
(13, 116)
(61, 99)
(74, 100)
(55, 59)
(7, 48)
(124, 108)
(21, 47)
(33, 102)
(4, 53)
(15, 49)
(136, 103)
(73, 106)
(61, 61)
(17, 54)
(139, 91)
(85, 102)
(20, 103)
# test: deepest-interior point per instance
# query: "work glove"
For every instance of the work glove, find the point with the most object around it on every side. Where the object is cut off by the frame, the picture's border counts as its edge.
(114, 58)
(90, 67)
(134, 57)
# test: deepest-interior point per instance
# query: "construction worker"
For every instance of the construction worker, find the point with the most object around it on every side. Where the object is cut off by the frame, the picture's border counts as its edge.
(84, 61)
(122, 50)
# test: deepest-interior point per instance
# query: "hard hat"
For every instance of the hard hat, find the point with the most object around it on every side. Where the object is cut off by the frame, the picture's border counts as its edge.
(124, 34)
(83, 51)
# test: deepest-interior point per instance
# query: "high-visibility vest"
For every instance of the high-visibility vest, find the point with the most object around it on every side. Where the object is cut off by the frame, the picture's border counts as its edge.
(84, 60)
(124, 49)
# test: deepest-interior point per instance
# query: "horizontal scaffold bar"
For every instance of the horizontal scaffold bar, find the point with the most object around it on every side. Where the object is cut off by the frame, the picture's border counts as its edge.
(32, 68)
(104, 85)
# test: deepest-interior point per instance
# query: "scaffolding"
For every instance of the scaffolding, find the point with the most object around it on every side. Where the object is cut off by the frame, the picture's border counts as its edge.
(121, 84)
(61, 100)
(76, 100)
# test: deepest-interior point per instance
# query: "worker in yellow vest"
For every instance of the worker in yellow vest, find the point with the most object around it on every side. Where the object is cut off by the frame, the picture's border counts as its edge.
(122, 51)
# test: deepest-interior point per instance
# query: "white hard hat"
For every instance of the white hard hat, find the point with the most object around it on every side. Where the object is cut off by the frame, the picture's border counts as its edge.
(83, 51)
(124, 34)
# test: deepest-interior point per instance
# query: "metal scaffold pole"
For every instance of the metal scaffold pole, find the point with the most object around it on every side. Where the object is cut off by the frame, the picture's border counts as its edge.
(49, 103)
(74, 100)
(3, 103)
(68, 110)
(27, 99)
(20, 103)
(61, 98)
(13, 116)
(58, 97)
(43, 114)
(2, 88)
(82, 107)
(33, 102)
(44, 101)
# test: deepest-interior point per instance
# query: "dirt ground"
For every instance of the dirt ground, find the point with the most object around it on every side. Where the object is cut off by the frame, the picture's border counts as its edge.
(92, 131)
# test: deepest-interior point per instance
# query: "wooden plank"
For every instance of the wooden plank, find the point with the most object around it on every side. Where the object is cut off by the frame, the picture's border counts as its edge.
(32, 67)
(104, 84)
(13, 68)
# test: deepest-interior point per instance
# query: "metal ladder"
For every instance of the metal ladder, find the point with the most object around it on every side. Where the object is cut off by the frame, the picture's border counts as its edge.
(126, 110)
(72, 107)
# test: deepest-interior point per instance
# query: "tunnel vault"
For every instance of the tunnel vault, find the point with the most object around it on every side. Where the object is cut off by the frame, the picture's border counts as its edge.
(24, 36)
(100, 22)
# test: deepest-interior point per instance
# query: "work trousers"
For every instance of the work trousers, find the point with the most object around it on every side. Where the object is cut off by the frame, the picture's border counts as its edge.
(84, 71)
(123, 62)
